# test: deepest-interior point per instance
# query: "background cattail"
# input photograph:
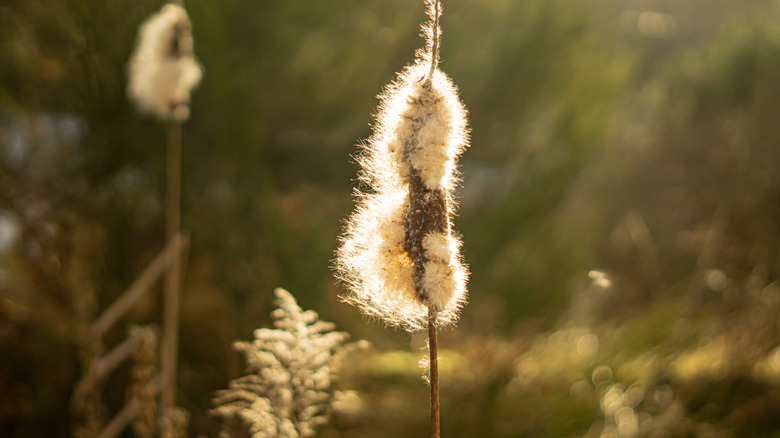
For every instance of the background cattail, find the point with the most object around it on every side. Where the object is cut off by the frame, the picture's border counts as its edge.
(399, 255)
(163, 69)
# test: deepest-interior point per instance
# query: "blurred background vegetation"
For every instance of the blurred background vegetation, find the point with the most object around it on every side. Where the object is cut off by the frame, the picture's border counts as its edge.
(620, 207)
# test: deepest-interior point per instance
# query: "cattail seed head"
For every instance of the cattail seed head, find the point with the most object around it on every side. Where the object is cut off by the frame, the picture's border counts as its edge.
(162, 69)
(398, 254)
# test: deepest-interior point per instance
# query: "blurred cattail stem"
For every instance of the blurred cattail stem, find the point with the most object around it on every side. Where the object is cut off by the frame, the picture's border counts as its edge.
(170, 347)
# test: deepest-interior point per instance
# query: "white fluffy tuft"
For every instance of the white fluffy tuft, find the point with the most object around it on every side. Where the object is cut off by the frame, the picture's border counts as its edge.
(430, 118)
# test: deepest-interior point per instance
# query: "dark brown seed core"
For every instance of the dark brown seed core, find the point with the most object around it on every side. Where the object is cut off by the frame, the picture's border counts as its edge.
(426, 212)
(174, 44)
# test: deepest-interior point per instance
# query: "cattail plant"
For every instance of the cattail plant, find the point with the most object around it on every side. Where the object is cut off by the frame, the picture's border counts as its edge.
(398, 254)
(162, 73)
(287, 392)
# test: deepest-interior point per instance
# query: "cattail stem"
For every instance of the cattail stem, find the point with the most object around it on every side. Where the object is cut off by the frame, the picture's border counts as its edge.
(170, 347)
(434, 364)
(435, 42)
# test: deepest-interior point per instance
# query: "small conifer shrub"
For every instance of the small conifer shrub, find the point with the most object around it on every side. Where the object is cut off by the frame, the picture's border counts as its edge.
(288, 391)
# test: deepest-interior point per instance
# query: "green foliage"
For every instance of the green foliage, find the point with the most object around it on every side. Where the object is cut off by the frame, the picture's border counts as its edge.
(651, 157)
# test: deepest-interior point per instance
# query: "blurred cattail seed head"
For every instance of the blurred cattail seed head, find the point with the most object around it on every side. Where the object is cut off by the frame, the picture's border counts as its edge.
(162, 69)
(398, 254)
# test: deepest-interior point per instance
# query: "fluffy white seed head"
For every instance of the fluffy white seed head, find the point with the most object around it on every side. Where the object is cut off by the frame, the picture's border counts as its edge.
(420, 131)
(163, 70)
(445, 276)
(373, 261)
(423, 124)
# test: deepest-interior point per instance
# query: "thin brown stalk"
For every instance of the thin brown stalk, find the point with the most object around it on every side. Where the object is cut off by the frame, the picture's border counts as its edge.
(435, 42)
(434, 364)
(170, 347)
